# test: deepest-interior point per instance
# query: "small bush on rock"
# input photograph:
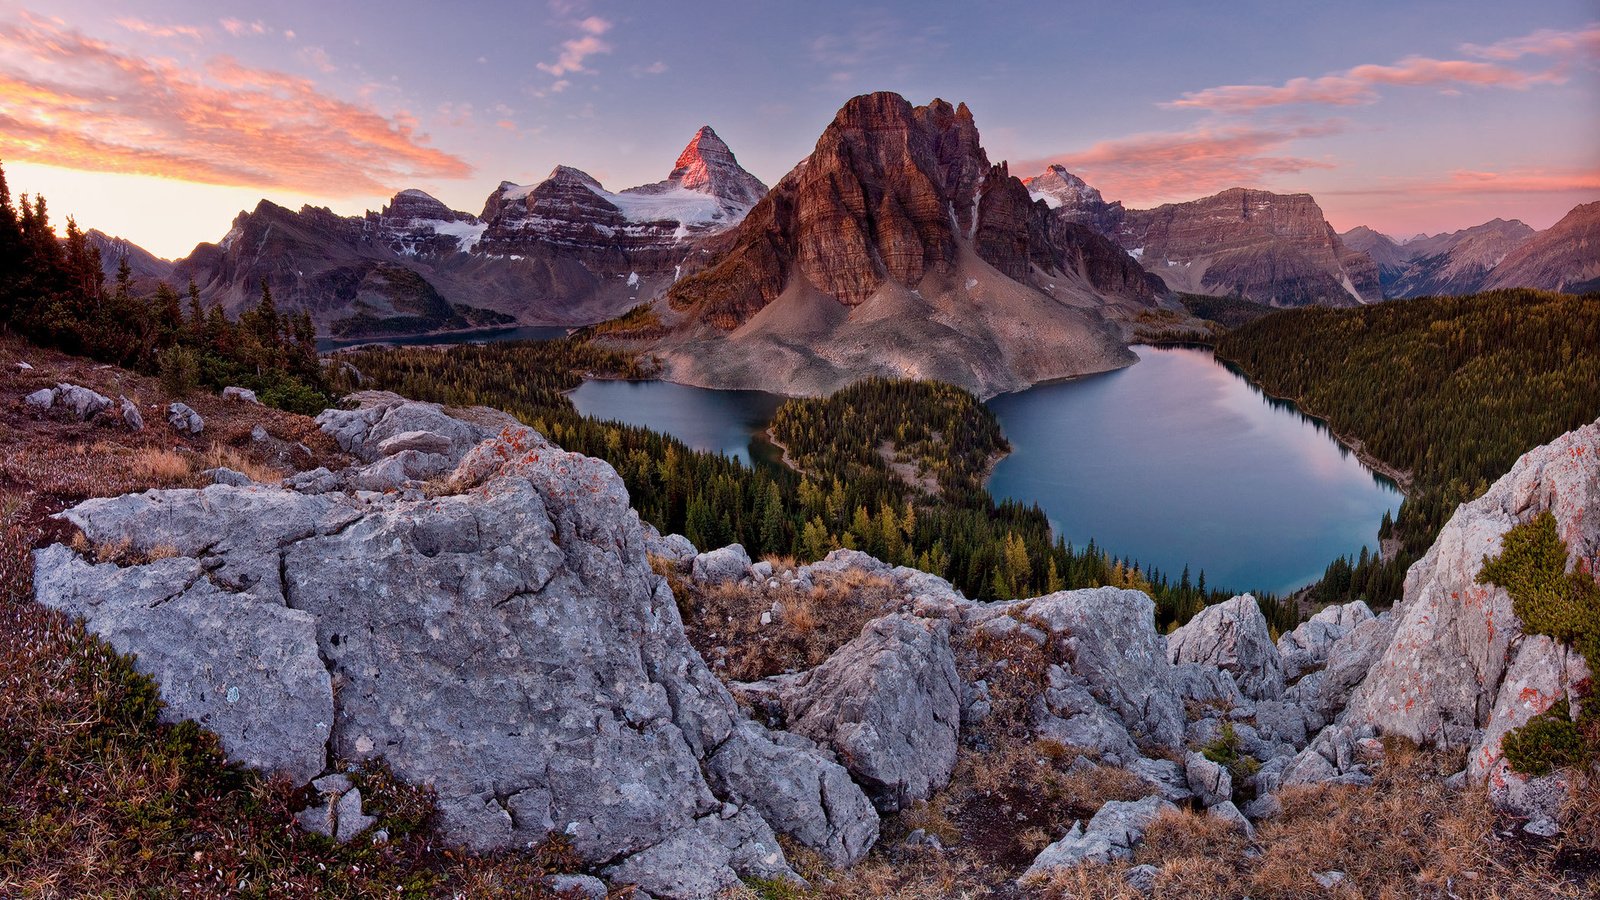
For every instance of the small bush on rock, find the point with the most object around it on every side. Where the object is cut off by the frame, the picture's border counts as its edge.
(1532, 567)
(1548, 742)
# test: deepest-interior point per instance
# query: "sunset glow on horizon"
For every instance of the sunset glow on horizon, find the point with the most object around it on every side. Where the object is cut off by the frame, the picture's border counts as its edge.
(160, 121)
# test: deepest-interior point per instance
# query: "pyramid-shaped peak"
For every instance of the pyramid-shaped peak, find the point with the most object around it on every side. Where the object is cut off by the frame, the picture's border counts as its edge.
(707, 165)
(704, 142)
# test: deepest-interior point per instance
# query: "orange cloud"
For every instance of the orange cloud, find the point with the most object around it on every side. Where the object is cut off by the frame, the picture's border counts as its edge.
(1358, 85)
(140, 26)
(1162, 166)
(73, 101)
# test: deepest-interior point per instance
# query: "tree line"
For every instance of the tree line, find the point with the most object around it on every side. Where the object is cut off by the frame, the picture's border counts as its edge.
(54, 292)
(1449, 389)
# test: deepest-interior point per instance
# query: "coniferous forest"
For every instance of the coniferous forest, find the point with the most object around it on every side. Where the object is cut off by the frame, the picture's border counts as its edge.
(844, 494)
(54, 292)
(1449, 389)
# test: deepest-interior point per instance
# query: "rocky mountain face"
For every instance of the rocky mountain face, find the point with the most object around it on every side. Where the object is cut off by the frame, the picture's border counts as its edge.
(1566, 257)
(897, 248)
(1274, 249)
(1391, 257)
(146, 267)
(1458, 262)
(564, 251)
(506, 638)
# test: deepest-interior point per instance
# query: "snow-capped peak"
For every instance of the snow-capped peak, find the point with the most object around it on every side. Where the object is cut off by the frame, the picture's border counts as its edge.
(1057, 187)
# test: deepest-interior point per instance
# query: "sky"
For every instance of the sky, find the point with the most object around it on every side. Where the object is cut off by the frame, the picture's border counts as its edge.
(161, 121)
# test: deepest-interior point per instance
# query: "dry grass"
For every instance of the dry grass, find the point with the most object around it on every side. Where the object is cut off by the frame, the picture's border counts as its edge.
(724, 621)
(158, 465)
(1407, 836)
(225, 457)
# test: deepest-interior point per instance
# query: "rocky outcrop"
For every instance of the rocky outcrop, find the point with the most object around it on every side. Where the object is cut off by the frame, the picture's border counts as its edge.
(184, 419)
(889, 704)
(725, 566)
(1459, 670)
(1109, 636)
(503, 641)
(1307, 647)
(1232, 636)
(1564, 257)
(1208, 781)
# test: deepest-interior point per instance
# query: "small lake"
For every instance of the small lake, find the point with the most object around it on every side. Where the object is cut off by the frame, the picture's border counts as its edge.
(724, 422)
(473, 336)
(1176, 460)
(1180, 460)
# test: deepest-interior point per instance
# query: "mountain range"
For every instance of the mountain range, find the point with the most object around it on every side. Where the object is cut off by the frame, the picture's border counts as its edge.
(564, 251)
(895, 198)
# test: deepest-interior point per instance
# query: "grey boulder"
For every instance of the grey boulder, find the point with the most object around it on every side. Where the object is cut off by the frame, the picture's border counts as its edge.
(131, 416)
(1067, 712)
(799, 791)
(82, 403)
(1109, 637)
(889, 704)
(184, 419)
(1208, 781)
(1113, 833)
(1307, 647)
(1232, 636)
(727, 565)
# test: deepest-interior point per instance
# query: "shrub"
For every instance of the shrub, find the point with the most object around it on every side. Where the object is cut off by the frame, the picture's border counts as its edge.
(1532, 568)
(1548, 742)
(180, 370)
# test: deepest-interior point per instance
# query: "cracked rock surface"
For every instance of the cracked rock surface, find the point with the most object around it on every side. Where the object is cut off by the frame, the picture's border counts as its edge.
(506, 644)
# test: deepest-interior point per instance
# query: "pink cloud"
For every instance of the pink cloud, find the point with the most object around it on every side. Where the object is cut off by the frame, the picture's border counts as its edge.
(1544, 42)
(575, 51)
(1474, 182)
(1163, 166)
(1357, 85)
(240, 28)
(72, 101)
